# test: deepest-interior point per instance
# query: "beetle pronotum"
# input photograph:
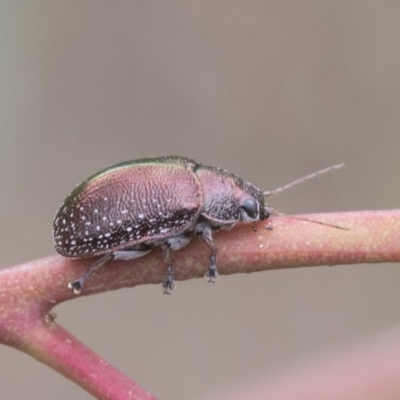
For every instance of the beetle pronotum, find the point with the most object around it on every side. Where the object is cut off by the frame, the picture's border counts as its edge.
(124, 211)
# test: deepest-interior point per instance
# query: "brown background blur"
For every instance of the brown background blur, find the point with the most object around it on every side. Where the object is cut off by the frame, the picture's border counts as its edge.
(270, 90)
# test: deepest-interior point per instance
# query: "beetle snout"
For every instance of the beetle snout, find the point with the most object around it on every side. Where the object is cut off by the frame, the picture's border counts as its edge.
(266, 212)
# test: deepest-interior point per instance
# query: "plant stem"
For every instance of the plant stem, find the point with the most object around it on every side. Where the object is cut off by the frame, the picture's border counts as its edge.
(29, 291)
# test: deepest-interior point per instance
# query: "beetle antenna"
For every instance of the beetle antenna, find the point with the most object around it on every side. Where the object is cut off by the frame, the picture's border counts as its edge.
(275, 212)
(303, 179)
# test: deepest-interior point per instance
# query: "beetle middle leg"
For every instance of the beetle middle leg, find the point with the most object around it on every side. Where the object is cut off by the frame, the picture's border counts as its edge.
(204, 231)
(173, 243)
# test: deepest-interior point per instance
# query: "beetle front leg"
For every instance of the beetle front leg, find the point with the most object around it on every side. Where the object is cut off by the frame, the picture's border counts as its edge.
(169, 283)
(204, 231)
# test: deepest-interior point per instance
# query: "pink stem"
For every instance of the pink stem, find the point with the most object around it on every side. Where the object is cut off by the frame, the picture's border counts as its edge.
(368, 370)
(54, 346)
(28, 292)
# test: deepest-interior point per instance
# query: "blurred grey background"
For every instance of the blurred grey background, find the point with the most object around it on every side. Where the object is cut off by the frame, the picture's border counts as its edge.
(270, 90)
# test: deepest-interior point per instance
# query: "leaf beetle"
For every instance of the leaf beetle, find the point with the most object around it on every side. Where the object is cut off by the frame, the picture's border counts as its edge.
(124, 211)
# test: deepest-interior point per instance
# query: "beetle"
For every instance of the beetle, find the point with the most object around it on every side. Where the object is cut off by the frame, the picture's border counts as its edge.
(124, 211)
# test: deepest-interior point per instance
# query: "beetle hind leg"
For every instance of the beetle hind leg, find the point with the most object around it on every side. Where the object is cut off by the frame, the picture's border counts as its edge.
(169, 283)
(204, 231)
(125, 254)
(77, 286)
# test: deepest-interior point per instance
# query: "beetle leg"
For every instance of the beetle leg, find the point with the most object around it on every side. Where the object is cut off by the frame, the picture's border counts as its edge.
(204, 231)
(128, 254)
(77, 286)
(169, 283)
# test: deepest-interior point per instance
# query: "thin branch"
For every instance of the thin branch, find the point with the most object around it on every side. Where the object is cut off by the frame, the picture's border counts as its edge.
(368, 370)
(29, 291)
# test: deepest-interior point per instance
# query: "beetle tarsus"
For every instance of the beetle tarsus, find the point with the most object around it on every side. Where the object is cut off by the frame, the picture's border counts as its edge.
(212, 273)
(77, 286)
(169, 283)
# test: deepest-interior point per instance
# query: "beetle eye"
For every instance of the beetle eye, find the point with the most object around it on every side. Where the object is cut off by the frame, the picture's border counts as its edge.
(250, 209)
